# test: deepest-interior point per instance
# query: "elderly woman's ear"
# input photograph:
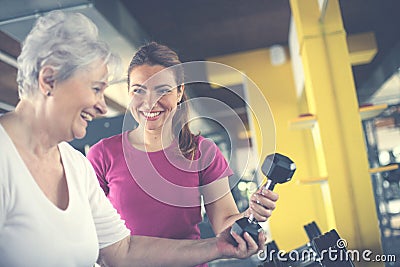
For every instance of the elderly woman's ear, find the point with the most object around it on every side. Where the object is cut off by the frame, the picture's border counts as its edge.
(46, 80)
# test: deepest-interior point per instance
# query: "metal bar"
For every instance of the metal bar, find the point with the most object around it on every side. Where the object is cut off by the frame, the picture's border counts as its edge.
(384, 168)
(6, 58)
(38, 14)
(6, 106)
(323, 7)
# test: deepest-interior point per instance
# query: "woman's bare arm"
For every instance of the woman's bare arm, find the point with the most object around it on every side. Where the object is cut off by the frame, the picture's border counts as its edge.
(152, 251)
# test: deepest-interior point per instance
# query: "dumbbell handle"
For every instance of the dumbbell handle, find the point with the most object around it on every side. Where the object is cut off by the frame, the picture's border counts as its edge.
(278, 169)
(269, 185)
(280, 177)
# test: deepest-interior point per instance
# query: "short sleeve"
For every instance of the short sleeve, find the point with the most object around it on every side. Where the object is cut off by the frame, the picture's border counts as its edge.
(110, 227)
(96, 157)
(214, 164)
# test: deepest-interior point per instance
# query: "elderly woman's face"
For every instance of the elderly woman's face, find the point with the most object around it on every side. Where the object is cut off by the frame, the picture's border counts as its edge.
(79, 99)
(154, 96)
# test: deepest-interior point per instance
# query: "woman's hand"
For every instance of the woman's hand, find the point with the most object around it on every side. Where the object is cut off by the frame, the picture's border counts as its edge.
(262, 203)
(244, 247)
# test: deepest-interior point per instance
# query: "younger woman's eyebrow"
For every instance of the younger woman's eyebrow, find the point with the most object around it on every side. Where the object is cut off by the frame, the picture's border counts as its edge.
(162, 85)
(139, 85)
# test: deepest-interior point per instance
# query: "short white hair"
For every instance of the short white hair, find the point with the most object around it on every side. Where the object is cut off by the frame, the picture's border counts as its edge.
(67, 42)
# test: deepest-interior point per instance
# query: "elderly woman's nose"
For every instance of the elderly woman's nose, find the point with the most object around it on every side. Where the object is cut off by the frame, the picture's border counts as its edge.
(101, 105)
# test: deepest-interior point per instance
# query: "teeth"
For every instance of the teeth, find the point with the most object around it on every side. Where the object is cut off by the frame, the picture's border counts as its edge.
(86, 116)
(151, 114)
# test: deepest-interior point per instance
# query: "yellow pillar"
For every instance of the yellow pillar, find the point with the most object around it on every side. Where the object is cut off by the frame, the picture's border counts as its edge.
(338, 134)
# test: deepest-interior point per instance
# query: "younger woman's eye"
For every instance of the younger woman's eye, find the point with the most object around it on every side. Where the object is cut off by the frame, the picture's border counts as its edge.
(164, 91)
(96, 89)
(138, 91)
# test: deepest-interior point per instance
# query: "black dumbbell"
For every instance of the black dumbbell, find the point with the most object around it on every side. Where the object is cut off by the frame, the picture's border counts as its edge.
(279, 169)
(331, 241)
(312, 230)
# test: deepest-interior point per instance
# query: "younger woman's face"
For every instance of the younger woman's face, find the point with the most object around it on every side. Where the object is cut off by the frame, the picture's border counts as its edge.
(154, 96)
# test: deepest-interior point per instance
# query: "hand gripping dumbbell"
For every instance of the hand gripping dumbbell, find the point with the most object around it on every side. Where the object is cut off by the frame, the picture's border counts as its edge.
(279, 169)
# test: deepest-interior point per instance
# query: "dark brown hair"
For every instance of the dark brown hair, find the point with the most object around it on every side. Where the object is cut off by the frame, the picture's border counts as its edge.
(157, 54)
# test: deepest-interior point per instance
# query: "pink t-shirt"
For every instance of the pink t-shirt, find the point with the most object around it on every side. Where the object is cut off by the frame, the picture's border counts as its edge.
(157, 194)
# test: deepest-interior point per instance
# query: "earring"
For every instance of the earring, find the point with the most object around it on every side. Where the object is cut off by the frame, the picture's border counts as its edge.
(178, 105)
(48, 93)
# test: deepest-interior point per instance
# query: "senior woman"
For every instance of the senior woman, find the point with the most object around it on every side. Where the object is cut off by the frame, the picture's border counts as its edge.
(52, 210)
